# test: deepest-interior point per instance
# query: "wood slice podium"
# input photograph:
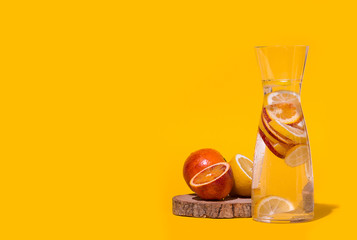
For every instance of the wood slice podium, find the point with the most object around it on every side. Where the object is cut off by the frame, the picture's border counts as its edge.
(190, 205)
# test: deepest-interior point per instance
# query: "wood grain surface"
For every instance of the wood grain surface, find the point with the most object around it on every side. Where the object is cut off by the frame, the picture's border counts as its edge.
(190, 205)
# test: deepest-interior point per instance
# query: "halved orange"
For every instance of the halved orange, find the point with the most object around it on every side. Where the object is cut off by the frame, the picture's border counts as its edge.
(214, 182)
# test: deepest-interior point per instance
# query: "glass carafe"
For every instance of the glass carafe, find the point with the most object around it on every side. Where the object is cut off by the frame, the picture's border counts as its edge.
(282, 188)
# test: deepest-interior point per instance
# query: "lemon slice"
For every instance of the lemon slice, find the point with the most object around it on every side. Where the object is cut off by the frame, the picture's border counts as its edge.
(242, 168)
(283, 97)
(296, 135)
(271, 205)
(297, 155)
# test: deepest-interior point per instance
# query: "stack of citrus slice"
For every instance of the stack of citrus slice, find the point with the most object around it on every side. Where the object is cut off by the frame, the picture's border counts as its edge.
(282, 126)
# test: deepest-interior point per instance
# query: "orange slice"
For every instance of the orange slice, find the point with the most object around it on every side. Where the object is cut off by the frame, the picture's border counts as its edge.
(296, 135)
(297, 155)
(300, 124)
(271, 205)
(266, 133)
(281, 148)
(283, 97)
(213, 182)
(273, 133)
(287, 113)
(278, 149)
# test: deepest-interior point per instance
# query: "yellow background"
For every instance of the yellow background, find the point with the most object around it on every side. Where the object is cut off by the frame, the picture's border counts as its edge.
(102, 101)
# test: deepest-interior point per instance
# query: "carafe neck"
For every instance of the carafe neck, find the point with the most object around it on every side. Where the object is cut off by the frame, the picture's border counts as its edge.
(282, 85)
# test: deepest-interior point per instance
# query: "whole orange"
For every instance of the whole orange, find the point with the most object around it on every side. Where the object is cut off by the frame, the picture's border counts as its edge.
(198, 161)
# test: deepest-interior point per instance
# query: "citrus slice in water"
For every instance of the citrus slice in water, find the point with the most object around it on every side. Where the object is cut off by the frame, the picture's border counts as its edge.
(266, 131)
(283, 97)
(300, 124)
(272, 133)
(242, 168)
(271, 205)
(296, 135)
(297, 155)
(281, 148)
(278, 149)
(287, 113)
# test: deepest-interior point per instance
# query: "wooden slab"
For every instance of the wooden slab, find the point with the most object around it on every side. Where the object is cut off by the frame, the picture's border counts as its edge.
(190, 205)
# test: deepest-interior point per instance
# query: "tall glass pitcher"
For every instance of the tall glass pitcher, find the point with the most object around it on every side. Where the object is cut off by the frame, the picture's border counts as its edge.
(282, 188)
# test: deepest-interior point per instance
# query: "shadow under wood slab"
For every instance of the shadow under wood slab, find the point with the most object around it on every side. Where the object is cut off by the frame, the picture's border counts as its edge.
(190, 205)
